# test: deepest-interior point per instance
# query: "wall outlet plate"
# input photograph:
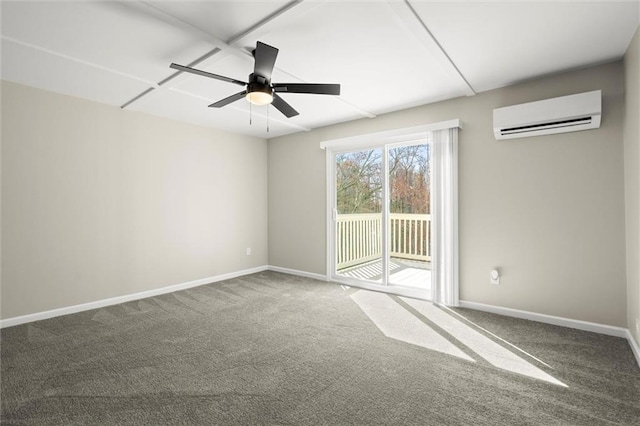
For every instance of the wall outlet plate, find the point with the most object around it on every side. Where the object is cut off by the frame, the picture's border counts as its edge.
(248, 251)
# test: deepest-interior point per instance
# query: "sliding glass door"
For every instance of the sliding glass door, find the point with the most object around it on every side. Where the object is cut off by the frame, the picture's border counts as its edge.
(409, 221)
(392, 200)
(381, 218)
(359, 185)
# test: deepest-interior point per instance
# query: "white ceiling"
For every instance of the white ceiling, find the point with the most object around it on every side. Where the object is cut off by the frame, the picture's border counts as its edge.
(387, 55)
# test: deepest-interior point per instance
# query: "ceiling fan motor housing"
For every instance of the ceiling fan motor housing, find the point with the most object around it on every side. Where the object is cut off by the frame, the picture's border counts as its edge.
(258, 83)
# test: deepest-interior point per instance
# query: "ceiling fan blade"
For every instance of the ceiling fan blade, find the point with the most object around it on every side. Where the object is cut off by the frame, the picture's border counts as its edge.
(228, 100)
(265, 59)
(206, 74)
(283, 107)
(317, 89)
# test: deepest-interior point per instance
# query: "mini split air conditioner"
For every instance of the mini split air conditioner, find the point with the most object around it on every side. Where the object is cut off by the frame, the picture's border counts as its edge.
(557, 115)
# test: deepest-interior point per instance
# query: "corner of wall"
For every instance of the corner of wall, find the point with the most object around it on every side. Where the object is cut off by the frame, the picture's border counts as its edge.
(632, 187)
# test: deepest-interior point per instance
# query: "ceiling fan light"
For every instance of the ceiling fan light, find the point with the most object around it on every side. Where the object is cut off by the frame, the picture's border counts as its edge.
(259, 98)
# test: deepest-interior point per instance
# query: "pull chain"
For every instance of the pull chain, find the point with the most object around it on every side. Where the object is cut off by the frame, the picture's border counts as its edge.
(251, 115)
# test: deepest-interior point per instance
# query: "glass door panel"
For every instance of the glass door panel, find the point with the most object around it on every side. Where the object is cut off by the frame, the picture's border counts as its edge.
(409, 216)
(359, 202)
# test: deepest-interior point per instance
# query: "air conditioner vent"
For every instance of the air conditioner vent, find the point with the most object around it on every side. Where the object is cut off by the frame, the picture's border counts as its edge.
(551, 125)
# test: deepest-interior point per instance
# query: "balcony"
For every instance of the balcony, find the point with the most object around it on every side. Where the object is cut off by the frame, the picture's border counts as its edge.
(359, 248)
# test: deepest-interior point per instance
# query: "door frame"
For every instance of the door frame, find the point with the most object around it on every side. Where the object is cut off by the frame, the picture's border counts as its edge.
(381, 140)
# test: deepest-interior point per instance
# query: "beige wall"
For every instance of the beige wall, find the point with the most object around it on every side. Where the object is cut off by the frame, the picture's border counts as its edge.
(98, 202)
(632, 182)
(549, 211)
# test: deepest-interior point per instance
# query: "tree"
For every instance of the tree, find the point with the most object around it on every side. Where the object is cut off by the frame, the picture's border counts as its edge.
(409, 170)
(359, 180)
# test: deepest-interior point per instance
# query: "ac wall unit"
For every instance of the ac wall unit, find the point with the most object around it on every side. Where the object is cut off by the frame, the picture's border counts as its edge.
(557, 115)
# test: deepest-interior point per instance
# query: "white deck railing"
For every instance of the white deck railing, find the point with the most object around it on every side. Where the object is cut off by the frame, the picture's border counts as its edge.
(359, 237)
(410, 236)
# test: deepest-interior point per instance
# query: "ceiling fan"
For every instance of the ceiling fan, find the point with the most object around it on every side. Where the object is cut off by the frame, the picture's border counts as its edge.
(260, 90)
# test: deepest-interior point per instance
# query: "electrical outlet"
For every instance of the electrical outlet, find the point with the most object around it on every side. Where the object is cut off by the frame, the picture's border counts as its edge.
(494, 277)
(638, 325)
(248, 251)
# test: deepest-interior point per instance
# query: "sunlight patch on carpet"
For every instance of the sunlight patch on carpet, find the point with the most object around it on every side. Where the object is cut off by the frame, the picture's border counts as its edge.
(396, 322)
(491, 351)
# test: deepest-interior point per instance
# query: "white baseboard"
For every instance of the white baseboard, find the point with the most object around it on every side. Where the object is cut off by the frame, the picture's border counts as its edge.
(297, 272)
(548, 319)
(635, 347)
(9, 322)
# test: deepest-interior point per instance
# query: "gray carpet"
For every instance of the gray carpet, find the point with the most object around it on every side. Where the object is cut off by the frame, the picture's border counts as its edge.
(274, 349)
